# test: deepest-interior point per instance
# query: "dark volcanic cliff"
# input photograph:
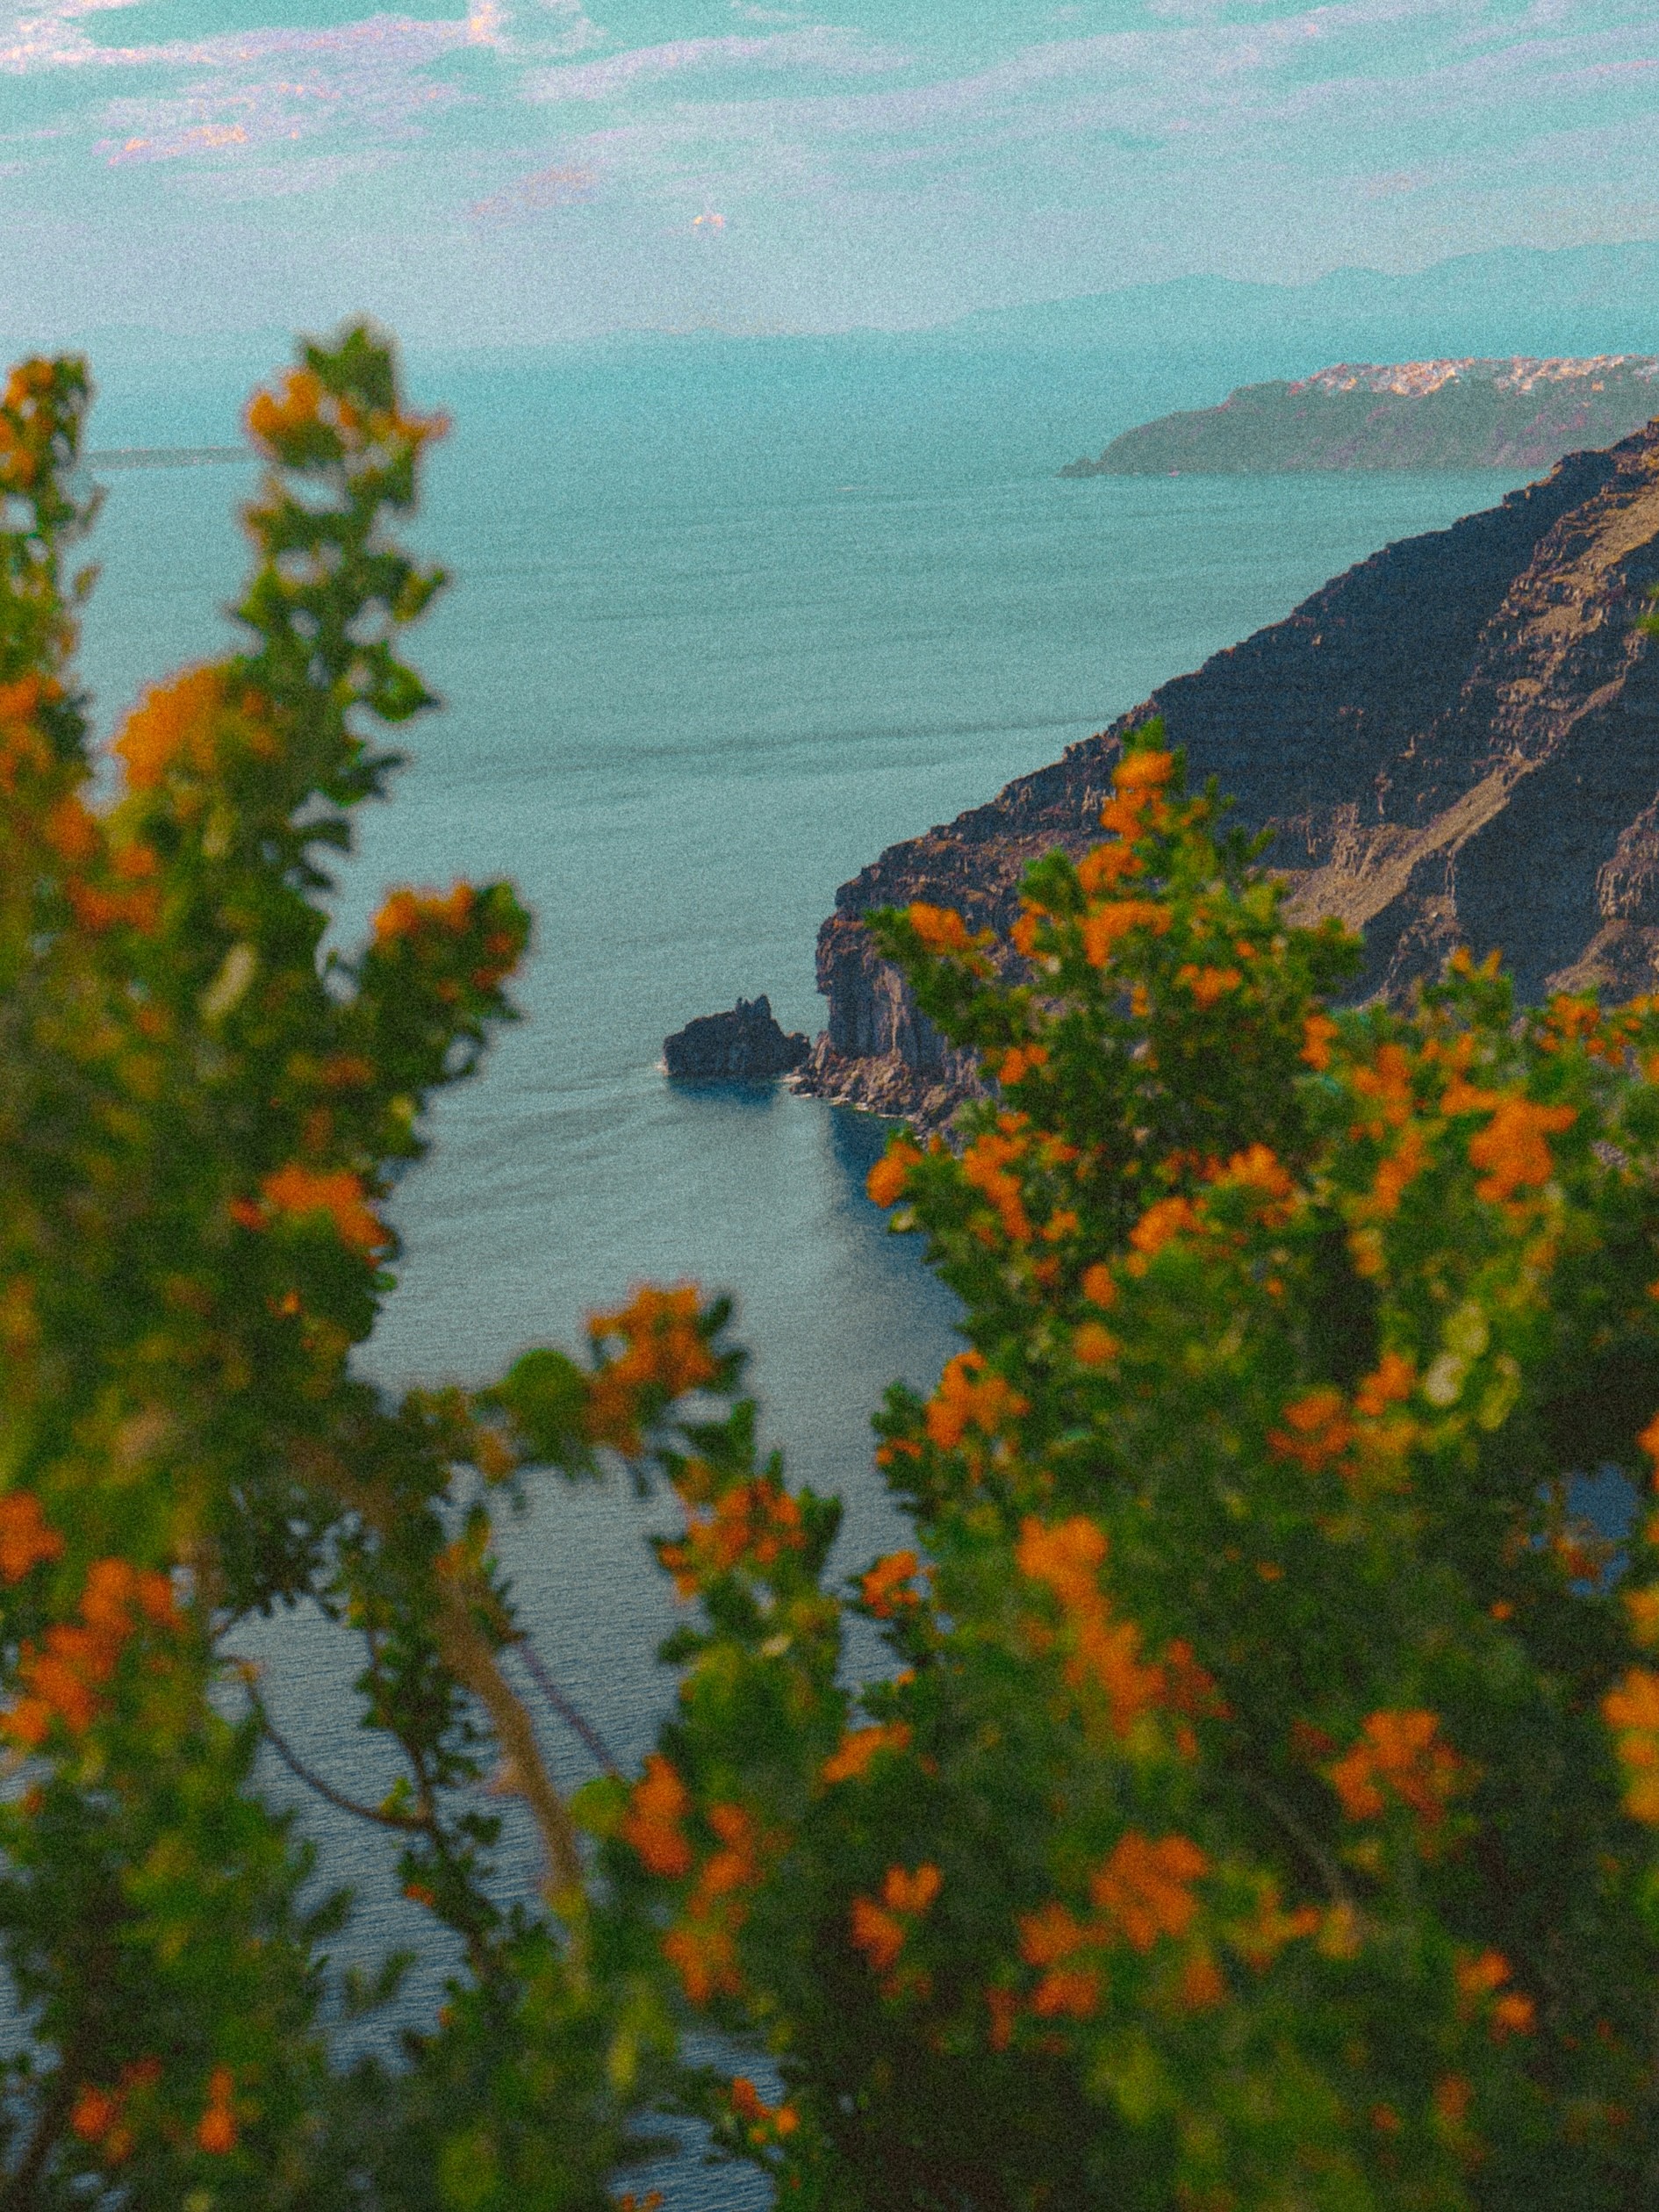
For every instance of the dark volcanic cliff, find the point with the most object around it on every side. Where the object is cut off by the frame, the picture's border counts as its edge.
(1457, 741)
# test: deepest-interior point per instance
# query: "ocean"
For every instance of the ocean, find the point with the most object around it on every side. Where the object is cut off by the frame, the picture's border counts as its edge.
(726, 621)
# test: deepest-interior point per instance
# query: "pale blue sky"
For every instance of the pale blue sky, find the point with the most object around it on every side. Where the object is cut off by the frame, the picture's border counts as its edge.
(547, 168)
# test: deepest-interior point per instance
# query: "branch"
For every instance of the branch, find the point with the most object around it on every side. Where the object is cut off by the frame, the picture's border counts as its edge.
(467, 1654)
(408, 1822)
(1304, 1838)
(574, 1720)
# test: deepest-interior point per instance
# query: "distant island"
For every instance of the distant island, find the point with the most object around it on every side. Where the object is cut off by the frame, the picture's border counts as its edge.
(1516, 413)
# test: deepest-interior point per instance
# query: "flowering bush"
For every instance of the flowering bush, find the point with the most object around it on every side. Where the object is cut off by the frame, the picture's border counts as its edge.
(1259, 1809)
(200, 1114)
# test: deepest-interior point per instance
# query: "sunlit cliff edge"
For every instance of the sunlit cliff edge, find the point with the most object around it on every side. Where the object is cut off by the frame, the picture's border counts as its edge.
(1456, 741)
(1519, 412)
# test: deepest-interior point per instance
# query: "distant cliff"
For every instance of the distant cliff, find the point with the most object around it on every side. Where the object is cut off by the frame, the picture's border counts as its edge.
(1457, 741)
(1414, 414)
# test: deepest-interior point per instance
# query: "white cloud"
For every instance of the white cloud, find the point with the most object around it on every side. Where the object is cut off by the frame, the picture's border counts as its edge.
(842, 53)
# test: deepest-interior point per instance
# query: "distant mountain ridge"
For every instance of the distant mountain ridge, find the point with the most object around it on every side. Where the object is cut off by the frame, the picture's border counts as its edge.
(1522, 411)
(1457, 741)
(1511, 299)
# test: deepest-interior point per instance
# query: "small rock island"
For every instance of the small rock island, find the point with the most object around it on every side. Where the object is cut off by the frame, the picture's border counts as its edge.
(746, 1046)
(1518, 414)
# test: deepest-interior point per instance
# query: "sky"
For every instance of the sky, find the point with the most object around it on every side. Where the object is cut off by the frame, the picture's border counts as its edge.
(539, 170)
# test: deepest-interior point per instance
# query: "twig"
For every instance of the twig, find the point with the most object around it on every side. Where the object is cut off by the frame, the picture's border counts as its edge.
(467, 1654)
(1308, 1843)
(408, 1822)
(574, 1720)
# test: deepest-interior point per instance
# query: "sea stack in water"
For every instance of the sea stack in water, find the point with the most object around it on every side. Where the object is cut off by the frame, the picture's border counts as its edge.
(743, 1046)
(1456, 742)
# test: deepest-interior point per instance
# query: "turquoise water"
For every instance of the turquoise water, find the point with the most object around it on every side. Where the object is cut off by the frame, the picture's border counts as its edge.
(712, 645)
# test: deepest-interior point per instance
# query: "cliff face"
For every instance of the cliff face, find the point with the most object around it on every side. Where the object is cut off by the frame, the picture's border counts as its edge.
(1455, 742)
(1414, 414)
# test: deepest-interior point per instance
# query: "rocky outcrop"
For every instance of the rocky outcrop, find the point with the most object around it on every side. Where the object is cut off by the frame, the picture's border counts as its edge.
(1455, 742)
(744, 1046)
(1519, 414)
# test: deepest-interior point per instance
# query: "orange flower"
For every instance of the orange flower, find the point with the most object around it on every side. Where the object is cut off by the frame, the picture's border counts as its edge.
(1099, 1285)
(71, 831)
(1451, 2097)
(1072, 1991)
(173, 721)
(1388, 1079)
(1397, 1171)
(1104, 1652)
(216, 2130)
(301, 1191)
(885, 1587)
(1393, 1379)
(1143, 1888)
(704, 1955)
(1101, 866)
(1093, 1346)
(746, 2100)
(97, 910)
(1202, 1987)
(1477, 1977)
(1022, 935)
(1164, 1219)
(1511, 1147)
(1049, 1934)
(911, 1893)
(1322, 1430)
(1103, 927)
(1067, 1557)
(1208, 984)
(967, 1398)
(407, 913)
(1320, 1032)
(1260, 1169)
(1404, 1750)
(64, 1682)
(753, 1525)
(663, 1344)
(1143, 770)
(658, 1804)
(886, 1181)
(1631, 1709)
(859, 1746)
(95, 2112)
(25, 1542)
(941, 930)
(1018, 1063)
(877, 1934)
(272, 418)
(879, 1930)
(985, 1166)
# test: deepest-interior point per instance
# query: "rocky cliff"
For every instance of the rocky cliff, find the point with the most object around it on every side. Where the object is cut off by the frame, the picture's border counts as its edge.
(1457, 741)
(1519, 414)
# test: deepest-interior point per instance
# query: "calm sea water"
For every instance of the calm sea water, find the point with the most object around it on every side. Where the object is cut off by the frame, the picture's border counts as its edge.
(718, 634)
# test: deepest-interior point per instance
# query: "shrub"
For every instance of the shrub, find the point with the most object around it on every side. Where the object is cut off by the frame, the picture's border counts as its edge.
(1259, 1808)
(1261, 1811)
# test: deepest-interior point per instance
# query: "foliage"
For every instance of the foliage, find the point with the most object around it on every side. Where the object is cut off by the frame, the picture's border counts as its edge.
(200, 1111)
(1259, 1811)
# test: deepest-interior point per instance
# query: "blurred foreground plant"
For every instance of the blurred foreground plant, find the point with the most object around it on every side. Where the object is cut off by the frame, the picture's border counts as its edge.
(1260, 1808)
